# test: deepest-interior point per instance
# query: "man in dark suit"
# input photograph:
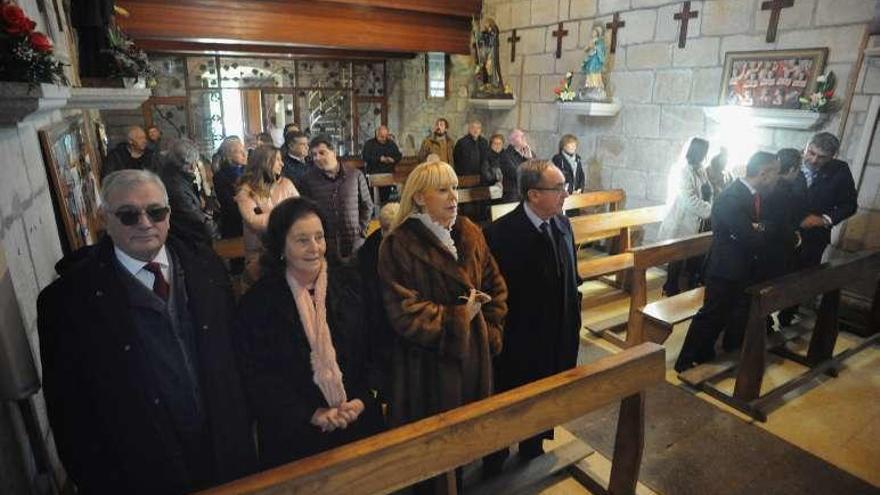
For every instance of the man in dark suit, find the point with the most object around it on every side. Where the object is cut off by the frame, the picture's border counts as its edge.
(141, 388)
(534, 248)
(737, 238)
(831, 196)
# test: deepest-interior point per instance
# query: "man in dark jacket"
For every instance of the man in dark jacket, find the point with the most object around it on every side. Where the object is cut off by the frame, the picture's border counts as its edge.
(471, 153)
(831, 196)
(534, 248)
(141, 388)
(132, 154)
(343, 196)
(737, 239)
(296, 156)
(380, 154)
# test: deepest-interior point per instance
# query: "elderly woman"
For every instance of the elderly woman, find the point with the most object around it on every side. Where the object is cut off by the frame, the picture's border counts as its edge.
(228, 165)
(516, 152)
(189, 222)
(688, 209)
(299, 334)
(261, 187)
(569, 162)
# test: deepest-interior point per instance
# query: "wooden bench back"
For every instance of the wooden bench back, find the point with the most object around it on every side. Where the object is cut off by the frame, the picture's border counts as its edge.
(474, 194)
(230, 248)
(438, 444)
(614, 198)
(588, 228)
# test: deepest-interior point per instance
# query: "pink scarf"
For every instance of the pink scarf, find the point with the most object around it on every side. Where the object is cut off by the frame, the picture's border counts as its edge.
(313, 315)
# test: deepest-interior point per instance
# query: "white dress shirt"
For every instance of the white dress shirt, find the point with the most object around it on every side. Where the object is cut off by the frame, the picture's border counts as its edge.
(136, 267)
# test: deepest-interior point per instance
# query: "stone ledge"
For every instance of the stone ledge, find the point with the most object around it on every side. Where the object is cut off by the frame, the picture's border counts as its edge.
(591, 108)
(778, 118)
(107, 98)
(19, 101)
(492, 104)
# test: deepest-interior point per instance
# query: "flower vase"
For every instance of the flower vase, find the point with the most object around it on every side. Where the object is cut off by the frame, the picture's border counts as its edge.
(134, 82)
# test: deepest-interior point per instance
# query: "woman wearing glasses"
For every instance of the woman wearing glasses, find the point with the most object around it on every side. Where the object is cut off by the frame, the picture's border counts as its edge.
(260, 188)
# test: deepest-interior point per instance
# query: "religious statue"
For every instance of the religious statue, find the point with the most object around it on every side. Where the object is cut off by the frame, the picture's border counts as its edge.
(594, 66)
(487, 72)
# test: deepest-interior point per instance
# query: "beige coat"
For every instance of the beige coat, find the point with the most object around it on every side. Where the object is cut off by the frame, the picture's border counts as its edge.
(686, 208)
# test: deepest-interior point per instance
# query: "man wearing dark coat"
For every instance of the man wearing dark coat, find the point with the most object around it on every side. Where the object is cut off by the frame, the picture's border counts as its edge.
(141, 388)
(534, 248)
(380, 154)
(738, 237)
(471, 152)
(296, 156)
(132, 154)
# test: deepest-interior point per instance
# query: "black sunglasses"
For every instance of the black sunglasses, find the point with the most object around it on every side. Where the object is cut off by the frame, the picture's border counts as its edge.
(131, 216)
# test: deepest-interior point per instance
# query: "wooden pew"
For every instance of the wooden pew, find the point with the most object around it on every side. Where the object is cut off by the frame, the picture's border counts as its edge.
(827, 279)
(228, 249)
(476, 194)
(397, 179)
(675, 310)
(438, 444)
(614, 198)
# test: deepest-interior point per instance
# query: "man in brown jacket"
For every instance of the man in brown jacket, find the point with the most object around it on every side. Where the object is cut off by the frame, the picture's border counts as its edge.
(438, 143)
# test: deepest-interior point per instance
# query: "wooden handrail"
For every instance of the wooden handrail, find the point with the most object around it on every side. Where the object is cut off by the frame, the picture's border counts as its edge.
(667, 251)
(587, 225)
(426, 448)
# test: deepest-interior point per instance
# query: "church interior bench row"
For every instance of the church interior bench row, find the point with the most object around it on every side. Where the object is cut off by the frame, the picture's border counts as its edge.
(827, 280)
(438, 444)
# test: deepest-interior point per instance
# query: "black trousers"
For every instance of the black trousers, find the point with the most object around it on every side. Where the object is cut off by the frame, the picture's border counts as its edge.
(808, 255)
(725, 309)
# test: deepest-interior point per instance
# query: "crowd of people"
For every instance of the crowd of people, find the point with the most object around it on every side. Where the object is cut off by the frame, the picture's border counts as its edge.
(158, 381)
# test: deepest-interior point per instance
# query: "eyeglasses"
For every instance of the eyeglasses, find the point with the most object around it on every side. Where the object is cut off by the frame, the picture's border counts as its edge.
(557, 189)
(131, 216)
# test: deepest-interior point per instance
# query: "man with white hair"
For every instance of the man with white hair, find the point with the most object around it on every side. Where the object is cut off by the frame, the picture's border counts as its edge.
(134, 153)
(141, 388)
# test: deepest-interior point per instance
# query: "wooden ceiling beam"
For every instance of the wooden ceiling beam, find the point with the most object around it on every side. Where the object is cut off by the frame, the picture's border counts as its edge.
(295, 23)
(457, 8)
(274, 51)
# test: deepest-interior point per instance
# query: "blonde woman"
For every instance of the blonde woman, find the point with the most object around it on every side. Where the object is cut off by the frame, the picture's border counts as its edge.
(261, 187)
(445, 298)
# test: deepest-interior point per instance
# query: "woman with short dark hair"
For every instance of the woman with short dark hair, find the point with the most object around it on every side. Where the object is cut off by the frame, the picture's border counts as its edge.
(569, 162)
(299, 336)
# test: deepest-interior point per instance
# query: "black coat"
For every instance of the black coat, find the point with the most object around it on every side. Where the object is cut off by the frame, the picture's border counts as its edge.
(471, 155)
(782, 212)
(832, 193)
(294, 169)
(735, 242)
(119, 158)
(510, 160)
(188, 222)
(541, 331)
(225, 188)
(575, 181)
(380, 334)
(273, 352)
(373, 150)
(112, 435)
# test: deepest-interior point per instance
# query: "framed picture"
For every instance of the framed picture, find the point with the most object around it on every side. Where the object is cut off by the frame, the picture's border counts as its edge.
(70, 166)
(103, 141)
(770, 79)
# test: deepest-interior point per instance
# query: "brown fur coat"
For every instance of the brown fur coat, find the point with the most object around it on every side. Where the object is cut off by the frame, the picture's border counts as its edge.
(441, 360)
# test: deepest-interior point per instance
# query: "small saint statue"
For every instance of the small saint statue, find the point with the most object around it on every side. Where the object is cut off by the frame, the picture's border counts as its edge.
(594, 66)
(487, 71)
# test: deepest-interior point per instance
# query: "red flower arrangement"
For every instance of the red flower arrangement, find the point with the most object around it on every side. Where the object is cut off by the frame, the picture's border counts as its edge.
(25, 54)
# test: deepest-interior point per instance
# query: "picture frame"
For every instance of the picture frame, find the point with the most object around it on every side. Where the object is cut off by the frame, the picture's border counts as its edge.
(103, 141)
(71, 167)
(770, 79)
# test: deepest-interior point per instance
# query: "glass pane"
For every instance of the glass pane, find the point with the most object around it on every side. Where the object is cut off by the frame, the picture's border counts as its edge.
(323, 74)
(369, 118)
(171, 120)
(436, 75)
(369, 79)
(170, 76)
(202, 72)
(327, 112)
(278, 109)
(255, 72)
(207, 114)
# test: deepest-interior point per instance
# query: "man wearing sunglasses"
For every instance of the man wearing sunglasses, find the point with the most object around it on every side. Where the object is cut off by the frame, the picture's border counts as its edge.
(534, 248)
(141, 389)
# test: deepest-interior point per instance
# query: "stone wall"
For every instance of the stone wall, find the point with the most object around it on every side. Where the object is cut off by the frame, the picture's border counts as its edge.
(663, 88)
(30, 239)
(411, 114)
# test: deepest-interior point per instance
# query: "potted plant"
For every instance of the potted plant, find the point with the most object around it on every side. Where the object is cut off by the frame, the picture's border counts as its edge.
(130, 62)
(25, 54)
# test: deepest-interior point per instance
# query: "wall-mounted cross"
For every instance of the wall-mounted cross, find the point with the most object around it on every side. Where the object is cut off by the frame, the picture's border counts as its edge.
(685, 16)
(614, 25)
(775, 6)
(512, 40)
(559, 34)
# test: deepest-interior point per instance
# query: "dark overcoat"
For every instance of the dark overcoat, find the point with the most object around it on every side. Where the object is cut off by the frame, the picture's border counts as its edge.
(541, 332)
(274, 355)
(576, 181)
(113, 435)
(832, 193)
(441, 360)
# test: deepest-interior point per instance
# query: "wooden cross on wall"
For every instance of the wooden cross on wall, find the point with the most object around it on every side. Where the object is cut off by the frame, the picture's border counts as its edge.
(614, 25)
(684, 16)
(559, 34)
(775, 6)
(512, 40)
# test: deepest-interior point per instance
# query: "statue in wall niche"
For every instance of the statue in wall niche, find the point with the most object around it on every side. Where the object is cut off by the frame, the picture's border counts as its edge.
(489, 83)
(594, 67)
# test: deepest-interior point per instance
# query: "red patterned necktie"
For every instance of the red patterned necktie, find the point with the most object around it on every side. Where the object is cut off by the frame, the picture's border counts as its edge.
(757, 206)
(160, 285)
